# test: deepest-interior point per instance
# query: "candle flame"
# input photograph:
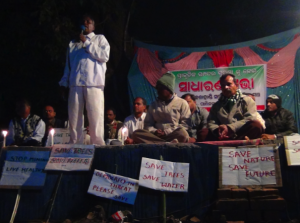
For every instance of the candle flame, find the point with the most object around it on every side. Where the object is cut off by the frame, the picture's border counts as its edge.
(4, 133)
(124, 130)
(52, 132)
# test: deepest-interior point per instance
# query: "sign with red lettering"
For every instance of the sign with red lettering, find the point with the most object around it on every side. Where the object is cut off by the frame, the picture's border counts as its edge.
(114, 187)
(292, 149)
(164, 175)
(248, 166)
(205, 84)
(71, 157)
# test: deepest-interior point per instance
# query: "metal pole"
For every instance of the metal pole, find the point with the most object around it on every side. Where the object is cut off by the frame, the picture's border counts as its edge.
(164, 203)
(110, 202)
(12, 219)
(52, 200)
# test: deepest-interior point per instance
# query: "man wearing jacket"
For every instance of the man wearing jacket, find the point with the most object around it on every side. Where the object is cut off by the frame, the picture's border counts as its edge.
(279, 121)
(233, 116)
(84, 75)
(168, 118)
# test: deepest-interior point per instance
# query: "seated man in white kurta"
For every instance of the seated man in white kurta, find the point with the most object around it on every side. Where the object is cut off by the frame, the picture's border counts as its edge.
(135, 121)
(85, 76)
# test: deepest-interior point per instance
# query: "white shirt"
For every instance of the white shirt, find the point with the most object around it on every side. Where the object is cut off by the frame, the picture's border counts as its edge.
(86, 62)
(132, 123)
(38, 133)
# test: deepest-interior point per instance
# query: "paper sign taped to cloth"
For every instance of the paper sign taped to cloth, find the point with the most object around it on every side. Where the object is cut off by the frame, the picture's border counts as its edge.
(114, 187)
(248, 166)
(164, 175)
(292, 149)
(24, 168)
(71, 157)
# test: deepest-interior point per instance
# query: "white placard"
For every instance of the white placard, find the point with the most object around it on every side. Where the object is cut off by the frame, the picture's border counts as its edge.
(164, 175)
(24, 168)
(69, 157)
(113, 187)
(248, 166)
(62, 136)
(292, 149)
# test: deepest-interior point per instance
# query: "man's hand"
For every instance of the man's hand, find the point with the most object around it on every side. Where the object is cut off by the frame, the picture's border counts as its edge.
(128, 141)
(267, 136)
(224, 132)
(64, 93)
(192, 140)
(82, 37)
(159, 133)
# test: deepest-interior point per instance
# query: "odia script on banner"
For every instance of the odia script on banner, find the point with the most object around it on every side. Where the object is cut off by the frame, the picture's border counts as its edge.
(205, 84)
(164, 175)
(69, 157)
(113, 187)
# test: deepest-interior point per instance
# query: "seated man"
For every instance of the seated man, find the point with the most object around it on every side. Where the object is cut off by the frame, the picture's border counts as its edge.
(167, 118)
(135, 121)
(279, 121)
(198, 130)
(233, 116)
(111, 125)
(50, 121)
(25, 129)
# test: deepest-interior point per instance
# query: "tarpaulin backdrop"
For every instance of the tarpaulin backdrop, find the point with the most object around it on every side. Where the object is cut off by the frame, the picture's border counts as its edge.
(279, 52)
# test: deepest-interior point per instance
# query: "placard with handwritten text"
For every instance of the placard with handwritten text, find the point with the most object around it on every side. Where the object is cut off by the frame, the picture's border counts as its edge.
(164, 175)
(24, 168)
(67, 157)
(113, 187)
(292, 149)
(248, 166)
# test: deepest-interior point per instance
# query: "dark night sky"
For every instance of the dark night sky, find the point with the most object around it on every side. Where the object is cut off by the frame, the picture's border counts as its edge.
(35, 35)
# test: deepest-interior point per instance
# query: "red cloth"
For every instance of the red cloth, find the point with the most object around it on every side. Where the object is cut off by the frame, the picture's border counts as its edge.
(222, 58)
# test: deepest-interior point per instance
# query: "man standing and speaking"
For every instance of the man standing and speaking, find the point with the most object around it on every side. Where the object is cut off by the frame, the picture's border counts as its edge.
(84, 75)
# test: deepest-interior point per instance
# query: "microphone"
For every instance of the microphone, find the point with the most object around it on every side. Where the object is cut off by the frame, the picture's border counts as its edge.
(82, 27)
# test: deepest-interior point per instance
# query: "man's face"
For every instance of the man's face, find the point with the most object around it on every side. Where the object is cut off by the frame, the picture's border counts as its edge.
(191, 103)
(228, 87)
(110, 116)
(163, 92)
(271, 106)
(89, 25)
(49, 112)
(22, 109)
(138, 106)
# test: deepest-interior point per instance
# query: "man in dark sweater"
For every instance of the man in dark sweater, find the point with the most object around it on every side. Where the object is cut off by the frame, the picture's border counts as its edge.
(279, 121)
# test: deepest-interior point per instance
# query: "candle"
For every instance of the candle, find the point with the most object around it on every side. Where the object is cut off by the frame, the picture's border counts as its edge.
(4, 138)
(52, 134)
(124, 130)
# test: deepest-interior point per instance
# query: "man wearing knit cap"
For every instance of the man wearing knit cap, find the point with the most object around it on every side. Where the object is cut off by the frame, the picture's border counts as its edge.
(168, 118)
(279, 121)
(233, 116)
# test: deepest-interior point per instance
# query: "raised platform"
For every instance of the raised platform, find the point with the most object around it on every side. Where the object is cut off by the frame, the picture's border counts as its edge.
(73, 201)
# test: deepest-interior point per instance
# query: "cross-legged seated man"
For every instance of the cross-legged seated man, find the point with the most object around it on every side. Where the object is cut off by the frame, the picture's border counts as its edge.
(233, 116)
(168, 118)
(279, 121)
(136, 120)
(25, 129)
(198, 131)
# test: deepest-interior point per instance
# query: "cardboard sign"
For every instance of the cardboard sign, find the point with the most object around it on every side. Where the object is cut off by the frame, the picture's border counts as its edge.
(248, 166)
(24, 169)
(113, 187)
(71, 157)
(164, 175)
(62, 136)
(292, 149)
